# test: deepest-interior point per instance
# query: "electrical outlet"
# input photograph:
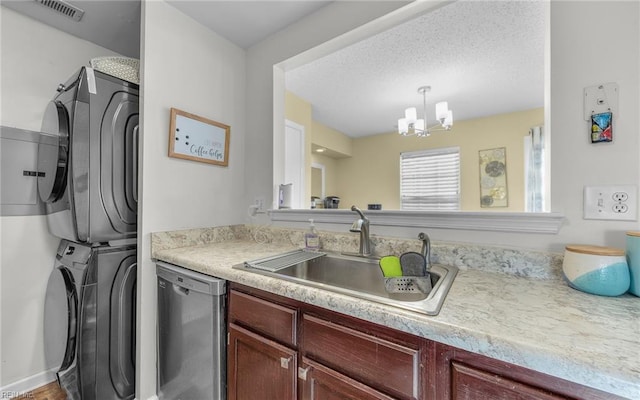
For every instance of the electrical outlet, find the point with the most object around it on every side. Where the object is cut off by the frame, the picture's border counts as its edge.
(612, 202)
(259, 201)
(620, 208)
(620, 196)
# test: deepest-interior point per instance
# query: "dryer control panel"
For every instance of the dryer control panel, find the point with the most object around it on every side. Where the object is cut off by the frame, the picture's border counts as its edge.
(19, 169)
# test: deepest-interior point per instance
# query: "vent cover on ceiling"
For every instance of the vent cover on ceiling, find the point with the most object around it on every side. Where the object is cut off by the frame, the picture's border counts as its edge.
(64, 8)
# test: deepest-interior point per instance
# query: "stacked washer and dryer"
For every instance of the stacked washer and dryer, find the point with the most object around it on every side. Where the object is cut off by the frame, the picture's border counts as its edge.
(88, 180)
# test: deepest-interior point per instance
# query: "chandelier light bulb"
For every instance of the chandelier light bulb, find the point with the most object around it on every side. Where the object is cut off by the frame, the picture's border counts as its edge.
(403, 126)
(411, 115)
(448, 121)
(442, 110)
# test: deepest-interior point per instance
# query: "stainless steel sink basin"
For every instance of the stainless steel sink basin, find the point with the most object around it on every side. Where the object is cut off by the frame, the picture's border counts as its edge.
(362, 278)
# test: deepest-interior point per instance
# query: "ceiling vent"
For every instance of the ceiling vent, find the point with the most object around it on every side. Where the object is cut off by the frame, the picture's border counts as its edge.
(64, 8)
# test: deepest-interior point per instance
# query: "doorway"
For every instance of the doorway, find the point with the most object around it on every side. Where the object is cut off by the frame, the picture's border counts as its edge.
(294, 162)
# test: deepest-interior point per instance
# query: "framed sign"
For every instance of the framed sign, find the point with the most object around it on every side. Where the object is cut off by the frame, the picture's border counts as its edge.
(199, 139)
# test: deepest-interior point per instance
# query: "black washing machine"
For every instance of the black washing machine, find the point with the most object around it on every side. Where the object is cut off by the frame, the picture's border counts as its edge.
(90, 321)
(88, 175)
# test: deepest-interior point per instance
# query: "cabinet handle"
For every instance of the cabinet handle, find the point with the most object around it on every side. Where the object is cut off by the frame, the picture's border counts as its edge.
(284, 362)
(302, 373)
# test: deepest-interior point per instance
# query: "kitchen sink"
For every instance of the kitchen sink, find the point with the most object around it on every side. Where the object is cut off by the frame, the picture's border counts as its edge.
(354, 276)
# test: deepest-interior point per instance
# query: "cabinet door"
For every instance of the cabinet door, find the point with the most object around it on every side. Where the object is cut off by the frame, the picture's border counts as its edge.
(462, 375)
(322, 383)
(259, 368)
(470, 383)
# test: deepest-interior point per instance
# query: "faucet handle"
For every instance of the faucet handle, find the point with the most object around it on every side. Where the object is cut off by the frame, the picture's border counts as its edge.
(356, 209)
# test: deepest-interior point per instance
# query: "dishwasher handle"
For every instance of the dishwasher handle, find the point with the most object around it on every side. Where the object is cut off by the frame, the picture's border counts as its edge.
(182, 291)
(190, 280)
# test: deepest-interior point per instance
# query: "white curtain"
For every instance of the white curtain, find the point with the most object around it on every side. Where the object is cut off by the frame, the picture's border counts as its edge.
(535, 177)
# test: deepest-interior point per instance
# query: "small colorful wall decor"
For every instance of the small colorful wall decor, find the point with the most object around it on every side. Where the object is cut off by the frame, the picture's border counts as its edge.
(601, 128)
(493, 178)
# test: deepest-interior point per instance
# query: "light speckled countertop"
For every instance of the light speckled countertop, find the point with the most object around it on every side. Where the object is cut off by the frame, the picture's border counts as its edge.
(540, 324)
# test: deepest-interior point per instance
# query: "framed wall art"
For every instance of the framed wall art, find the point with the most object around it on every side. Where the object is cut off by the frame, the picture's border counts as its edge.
(493, 178)
(601, 128)
(196, 138)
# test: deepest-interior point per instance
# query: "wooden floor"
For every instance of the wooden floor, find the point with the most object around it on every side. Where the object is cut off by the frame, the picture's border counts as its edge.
(47, 392)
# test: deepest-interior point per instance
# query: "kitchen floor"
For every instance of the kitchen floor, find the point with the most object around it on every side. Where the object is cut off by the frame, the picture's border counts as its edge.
(50, 391)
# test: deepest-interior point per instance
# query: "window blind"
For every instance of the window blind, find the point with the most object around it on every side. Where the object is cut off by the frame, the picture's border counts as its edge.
(430, 179)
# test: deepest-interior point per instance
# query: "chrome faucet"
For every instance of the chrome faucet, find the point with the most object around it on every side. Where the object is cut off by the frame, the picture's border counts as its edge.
(362, 225)
(426, 248)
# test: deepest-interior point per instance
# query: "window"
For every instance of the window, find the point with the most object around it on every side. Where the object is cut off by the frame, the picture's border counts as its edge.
(430, 179)
(536, 183)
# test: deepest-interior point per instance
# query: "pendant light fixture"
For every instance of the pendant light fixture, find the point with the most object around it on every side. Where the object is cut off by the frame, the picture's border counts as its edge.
(411, 125)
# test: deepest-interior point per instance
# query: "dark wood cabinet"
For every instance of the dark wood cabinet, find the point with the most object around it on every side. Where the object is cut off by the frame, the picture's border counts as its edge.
(469, 382)
(259, 368)
(269, 319)
(377, 362)
(342, 357)
(463, 375)
(319, 382)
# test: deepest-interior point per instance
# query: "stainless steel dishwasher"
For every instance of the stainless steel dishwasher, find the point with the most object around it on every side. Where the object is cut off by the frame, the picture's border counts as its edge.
(191, 335)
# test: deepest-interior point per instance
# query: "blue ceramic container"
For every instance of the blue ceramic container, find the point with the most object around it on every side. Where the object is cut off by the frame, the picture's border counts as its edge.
(633, 259)
(596, 269)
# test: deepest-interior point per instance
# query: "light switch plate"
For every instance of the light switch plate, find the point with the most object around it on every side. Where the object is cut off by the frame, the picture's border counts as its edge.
(259, 202)
(600, 98)
(611, 202)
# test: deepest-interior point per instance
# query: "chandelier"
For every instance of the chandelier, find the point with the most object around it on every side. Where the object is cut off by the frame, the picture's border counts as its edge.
(411, 125)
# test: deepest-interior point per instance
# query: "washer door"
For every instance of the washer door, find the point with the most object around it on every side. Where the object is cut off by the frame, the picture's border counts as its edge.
(61, 329)
(53, 158)
(61, 300)
(122, 345)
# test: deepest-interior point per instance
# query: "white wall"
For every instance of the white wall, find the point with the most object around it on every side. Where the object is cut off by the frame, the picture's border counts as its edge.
(35, 59)
(325, 24)
(615, 44)
(190, 68)
(581, 55)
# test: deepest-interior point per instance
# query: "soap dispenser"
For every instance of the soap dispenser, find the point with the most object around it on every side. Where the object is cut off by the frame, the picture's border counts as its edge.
(311, 238)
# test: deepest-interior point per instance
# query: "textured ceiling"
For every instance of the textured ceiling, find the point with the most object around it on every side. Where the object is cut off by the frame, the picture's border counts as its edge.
(483, 57)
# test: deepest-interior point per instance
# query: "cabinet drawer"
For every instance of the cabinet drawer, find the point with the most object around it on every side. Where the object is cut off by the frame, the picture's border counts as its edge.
(468, 382)
(269, 319)
(322, 383)
(376, 362)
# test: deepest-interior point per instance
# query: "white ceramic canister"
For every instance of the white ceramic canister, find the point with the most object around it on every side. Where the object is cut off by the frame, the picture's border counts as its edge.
(633, 259)
(596, 269)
